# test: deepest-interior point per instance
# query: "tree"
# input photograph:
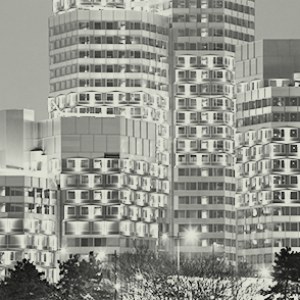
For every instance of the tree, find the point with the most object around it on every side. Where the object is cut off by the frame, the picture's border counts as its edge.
(286, 275)
(144, 271)
(25, 282)
(154, 276)
(81, 279)
(146, 262)
(208, 266)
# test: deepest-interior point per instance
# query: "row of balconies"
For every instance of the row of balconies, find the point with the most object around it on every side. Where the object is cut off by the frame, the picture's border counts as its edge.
(146, 214)
(263, 197)
(183, 131)
(204, 146)
(105, 228)
(205, 159)
(204, 61)
(94, 181)
(106, 165)
(211, 117)
(115, 196)
(268, 135)
(112, 97)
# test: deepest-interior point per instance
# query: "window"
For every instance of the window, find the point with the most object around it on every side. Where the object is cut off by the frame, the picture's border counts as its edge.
(294, 180)
(71, 210)
(84, 195)
(181, 116)
(84, 179)
(98, 211)
(71, 162)
(84, 242)
(71, 180)
(70, 195)
(84, 163)
(98, 195)
(294, 148)
(112, 211)
(84, 211)
(98, 179)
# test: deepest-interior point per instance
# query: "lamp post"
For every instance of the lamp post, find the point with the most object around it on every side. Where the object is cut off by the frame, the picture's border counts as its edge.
(178, 253)
(213, 258)
(117, 286)
(190, 235)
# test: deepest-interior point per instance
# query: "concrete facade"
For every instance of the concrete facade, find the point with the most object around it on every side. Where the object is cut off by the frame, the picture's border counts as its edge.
(204, 36)
(113, 194)
(267, 142)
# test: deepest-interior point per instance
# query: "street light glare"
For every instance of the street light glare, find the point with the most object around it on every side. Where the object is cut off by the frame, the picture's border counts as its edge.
(139, 276)
(191, 234)
(164, 237)
(101, 255)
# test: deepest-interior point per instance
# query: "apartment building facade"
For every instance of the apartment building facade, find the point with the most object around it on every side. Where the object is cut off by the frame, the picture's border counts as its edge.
(204, 36)
(267, 143)
(28, 198)
(140, 136)
(109, 70)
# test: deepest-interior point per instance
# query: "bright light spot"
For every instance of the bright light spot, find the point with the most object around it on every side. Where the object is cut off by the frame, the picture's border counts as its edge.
(164, 237)
(191, 235)
(101, 255)
(264, 272)
(139, 276)
(117, 286)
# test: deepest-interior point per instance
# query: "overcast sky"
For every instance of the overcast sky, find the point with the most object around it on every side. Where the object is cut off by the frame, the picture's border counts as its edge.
(24, 72)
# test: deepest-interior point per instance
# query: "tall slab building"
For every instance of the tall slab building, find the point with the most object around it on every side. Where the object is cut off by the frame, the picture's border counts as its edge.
(204, 37)
(268, 136)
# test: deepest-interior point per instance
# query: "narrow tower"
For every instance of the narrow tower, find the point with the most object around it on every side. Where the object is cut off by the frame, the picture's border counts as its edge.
(204, 36)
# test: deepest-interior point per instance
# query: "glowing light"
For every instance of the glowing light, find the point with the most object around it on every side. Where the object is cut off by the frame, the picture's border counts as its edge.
(164, 237)
(138, 276)
(191, 235)
(264, 272)
(101, 255)
(117, 286)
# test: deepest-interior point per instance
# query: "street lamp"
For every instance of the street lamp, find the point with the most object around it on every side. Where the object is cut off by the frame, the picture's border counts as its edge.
(190, 235)
(264, 272)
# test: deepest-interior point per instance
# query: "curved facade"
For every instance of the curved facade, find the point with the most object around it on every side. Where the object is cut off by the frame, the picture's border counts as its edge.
(267, 150)
(109, 67)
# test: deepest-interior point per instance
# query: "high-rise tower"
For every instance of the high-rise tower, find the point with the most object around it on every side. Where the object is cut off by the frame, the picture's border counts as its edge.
(118, 58)
(109, 92)
(204, 36)
(268, 136)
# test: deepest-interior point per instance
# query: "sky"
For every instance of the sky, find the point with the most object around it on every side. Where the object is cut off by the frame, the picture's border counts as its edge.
(24, 71)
